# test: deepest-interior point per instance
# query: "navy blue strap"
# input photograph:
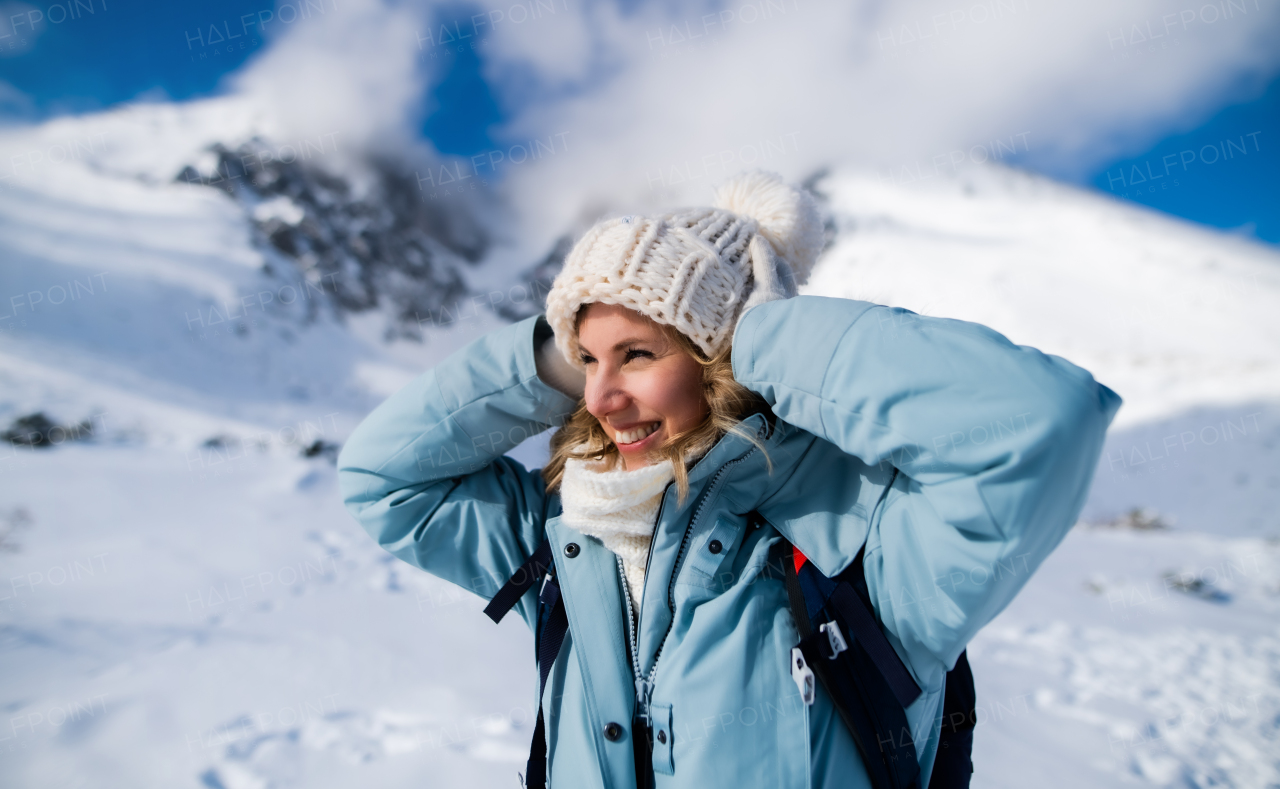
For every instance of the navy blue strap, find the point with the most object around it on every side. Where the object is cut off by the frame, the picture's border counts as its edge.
(552, 625)
(857, 615)
(795, 593)
(959, 700)
(524, 577)
(549, 642)
(843, 597)
(878, 724)
(535, 771)
(855, 678)
(552, 633)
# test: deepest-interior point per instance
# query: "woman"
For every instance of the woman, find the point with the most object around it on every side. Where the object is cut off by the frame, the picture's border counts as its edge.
(709, 416)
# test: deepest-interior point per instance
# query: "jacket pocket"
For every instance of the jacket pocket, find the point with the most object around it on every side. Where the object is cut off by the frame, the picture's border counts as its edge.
(712, 551)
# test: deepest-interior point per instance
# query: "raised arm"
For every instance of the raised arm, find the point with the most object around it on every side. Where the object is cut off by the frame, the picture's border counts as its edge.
(425, 474)
(995, 444)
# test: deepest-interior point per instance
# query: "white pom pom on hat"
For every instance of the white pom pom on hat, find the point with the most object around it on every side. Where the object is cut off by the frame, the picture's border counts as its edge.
(697, 269)
(788, 217)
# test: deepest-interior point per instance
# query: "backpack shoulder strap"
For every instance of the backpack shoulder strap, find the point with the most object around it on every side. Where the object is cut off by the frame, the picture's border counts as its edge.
(520, 582)
(552, 626)
(824, 610)
(953, 766)
(960, 700)
(852, 600)
(867, 681)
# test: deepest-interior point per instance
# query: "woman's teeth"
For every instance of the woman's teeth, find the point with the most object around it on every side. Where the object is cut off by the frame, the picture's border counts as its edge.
(632, 436)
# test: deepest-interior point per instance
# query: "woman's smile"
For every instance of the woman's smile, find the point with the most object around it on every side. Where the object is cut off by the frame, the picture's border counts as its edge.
(632, 438)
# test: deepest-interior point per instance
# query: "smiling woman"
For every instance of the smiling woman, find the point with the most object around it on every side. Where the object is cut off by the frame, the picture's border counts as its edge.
(733, 461)
(653, 401)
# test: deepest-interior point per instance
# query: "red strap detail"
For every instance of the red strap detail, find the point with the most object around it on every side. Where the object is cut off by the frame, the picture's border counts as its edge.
(798, 558)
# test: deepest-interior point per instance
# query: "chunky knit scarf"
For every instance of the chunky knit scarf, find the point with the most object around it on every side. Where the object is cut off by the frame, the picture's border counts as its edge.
(619, 507)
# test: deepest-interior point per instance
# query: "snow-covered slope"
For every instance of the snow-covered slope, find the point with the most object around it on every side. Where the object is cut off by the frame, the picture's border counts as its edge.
(138, 290)
(1182, 322)
(1170, 315)
(185, 602)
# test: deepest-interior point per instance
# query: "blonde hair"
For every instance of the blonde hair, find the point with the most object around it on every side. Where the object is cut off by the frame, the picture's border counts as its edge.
(728, 403)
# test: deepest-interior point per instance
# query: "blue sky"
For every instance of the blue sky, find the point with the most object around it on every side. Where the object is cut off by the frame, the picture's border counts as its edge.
(1224, 171)
(115, 53)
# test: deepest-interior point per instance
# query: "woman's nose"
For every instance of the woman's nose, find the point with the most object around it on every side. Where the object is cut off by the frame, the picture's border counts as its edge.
(604, 392)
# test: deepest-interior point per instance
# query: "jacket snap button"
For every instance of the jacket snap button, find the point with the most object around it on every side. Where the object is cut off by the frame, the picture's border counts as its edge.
(612, 732)
(715, 546)
(571, 550)
(662, 737)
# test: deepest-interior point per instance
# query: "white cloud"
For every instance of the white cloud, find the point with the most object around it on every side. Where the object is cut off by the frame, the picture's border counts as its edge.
(651, 105)
(549, 38)
(669, 94)
(355, 69)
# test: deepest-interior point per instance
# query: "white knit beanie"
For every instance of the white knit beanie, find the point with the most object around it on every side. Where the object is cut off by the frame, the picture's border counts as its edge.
(697, 269)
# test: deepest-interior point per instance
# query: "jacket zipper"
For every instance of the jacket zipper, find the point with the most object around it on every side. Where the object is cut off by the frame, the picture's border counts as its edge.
(643, 688)
(644, 685)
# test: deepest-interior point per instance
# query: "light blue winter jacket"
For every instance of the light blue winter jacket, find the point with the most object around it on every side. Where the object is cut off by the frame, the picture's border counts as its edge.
(996, 444)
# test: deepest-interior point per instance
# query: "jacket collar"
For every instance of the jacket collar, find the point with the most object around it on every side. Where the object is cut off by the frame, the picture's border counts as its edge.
(733, 445)
(760, 475)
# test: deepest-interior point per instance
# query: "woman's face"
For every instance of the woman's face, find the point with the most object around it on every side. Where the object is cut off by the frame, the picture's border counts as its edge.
(643, 387)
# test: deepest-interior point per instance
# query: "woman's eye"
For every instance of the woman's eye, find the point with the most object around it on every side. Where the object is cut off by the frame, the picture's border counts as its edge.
(636, 353)
(587, 359)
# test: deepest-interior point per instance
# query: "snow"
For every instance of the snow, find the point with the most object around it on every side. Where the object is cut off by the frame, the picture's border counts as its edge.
(1170, 315)
(184, 601)
(281, 208)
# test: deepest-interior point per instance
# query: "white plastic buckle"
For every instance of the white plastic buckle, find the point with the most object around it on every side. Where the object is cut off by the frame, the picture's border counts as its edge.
(834, 637)
(542, 590)
(803, 676)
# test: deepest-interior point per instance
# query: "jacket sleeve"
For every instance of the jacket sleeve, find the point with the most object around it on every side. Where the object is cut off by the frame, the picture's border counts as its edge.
(995, 444)
(425, 474)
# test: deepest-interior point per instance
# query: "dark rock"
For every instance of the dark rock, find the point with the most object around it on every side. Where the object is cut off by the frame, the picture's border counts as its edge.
(320, 448)
(38, 430)
(390, 245)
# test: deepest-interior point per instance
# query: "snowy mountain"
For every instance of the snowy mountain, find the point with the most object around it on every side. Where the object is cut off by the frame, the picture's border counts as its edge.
(188, 604)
